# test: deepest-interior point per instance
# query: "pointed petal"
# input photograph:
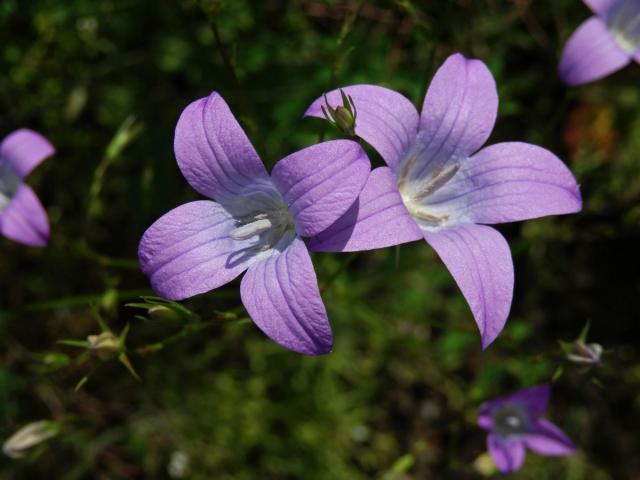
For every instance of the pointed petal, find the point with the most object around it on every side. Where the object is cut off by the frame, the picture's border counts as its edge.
(549, 440)
(24, 219)
(188, 251)
(378, 219)
(213, 152)
(591, 53)
(385, 119)
(282, 297)
(25, 149)
(480, 261)
(321, 182)
(508, 456)
(459, 111)
(535, 399)
(599, 6)
(509, 182)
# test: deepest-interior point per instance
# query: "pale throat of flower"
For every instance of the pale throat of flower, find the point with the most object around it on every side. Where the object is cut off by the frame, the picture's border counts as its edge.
(9, 184)
(623, 20)
(263, 216)
(511, 419)
(415, 189)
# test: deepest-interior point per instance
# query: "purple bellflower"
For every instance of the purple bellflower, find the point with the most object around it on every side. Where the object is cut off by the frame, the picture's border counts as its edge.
(514, 425)
(22, 217)
(604, 43)
(438, 187)
(255, 223)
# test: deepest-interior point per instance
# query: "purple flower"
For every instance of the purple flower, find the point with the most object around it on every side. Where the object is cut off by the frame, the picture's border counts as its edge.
(603, 44)
(22, 217)
(514, 424)
(255, 224)
(436, 188)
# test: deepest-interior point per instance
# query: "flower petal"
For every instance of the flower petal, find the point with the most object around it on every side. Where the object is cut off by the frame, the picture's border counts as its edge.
(591, 53)
(378, 219)
(282, 297)
(24, 219)
(188, 251)
(213, 152)
(599, 6)
(458, 113)
(25, 149)
(535, 399)
(480, 261)
(549, 440)
(321, 182)
(509, 182)
(508, 456)
(385, 119)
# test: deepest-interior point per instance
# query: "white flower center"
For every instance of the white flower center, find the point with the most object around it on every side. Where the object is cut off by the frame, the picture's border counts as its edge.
(9, 184)
(511, 419)
(263, 217)
(419, 183)
(623, 20)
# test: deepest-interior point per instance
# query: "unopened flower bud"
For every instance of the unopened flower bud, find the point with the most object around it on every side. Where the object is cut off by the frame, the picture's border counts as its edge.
(104, 345)
(32, 434)
(585, 353)
(160, 312)
(345, 121)
(343, 116)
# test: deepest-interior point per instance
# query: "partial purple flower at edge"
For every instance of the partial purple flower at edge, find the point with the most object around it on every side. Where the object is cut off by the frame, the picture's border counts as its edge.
(603, 44)
(255, 224)
(22, 217)
(440, 188)
(514, 425)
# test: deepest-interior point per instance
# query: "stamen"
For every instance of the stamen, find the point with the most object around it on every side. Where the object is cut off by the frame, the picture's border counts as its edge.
(441, 177)
(405, 171)
(260, 225)
(422, 215)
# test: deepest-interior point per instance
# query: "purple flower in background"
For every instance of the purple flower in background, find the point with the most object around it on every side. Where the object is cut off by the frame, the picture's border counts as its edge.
(255, 224)
(439, 187)
(514, 424)
(22, 217)
(603, 44)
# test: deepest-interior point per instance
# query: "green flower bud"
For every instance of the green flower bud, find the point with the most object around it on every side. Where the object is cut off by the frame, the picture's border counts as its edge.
(32, 434)
(160, 312)
(343, 116)
(105, 345)
(585, 353)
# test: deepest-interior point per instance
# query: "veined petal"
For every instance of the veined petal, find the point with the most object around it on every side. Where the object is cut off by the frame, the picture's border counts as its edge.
(25, 149)
(24, 219)
(282, 297)
(458, 113)
(377, 219)
(599, 6)
(508, 182)
(508, 456)
(188, 251)
(549, 440)
(480, 261)
(321, 182)
(385, 119)
(213, 152)
(591, 53)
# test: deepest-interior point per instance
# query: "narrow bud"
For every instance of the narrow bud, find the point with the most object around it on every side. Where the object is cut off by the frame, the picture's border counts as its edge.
(32, 434)
(105, 345)
(343, 116)
(585, 353)
(161, 312)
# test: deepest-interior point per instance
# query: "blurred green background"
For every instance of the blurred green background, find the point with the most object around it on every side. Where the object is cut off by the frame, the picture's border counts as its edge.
(106, 80)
